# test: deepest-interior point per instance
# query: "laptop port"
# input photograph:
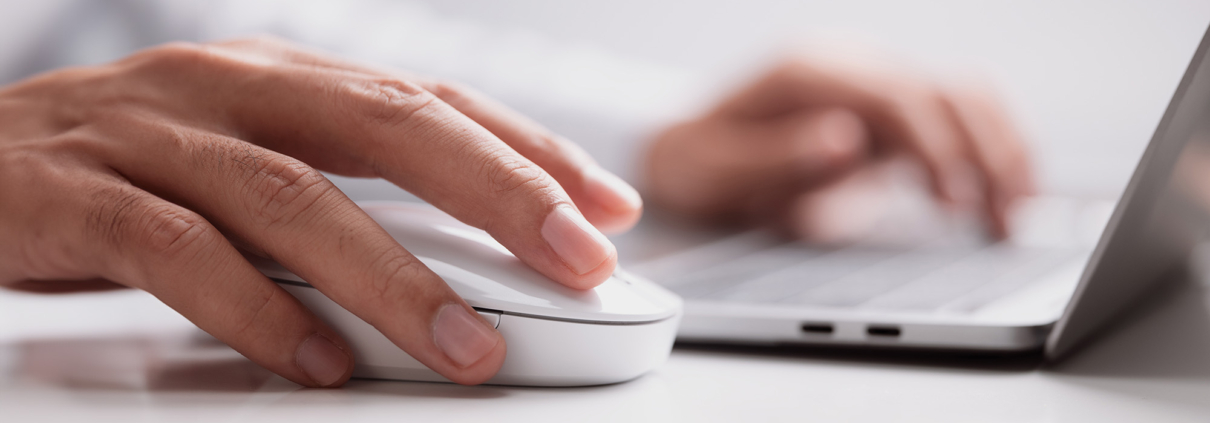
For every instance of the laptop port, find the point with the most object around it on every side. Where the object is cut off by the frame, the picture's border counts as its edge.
(817, 328)
(882, 330)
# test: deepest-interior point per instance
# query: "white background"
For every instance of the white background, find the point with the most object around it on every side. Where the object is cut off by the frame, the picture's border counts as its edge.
(1087, 80)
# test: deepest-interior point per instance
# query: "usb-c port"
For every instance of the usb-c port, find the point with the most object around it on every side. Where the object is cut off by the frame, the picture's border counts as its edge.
(880, 330)
(817, 328)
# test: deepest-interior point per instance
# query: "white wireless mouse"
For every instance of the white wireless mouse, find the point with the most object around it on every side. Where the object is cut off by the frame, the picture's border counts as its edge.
(556, 336)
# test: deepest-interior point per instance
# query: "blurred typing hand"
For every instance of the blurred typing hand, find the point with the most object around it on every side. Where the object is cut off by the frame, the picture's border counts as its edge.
(814, 134)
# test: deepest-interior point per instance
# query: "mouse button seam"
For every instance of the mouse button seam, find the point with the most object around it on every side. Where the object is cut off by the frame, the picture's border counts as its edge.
(588, 321)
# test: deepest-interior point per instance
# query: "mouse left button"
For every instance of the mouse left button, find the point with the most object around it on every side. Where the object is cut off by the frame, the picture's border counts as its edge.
(492, 316)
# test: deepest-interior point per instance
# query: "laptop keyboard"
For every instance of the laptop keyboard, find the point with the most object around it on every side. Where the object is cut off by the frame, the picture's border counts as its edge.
(952, 270)
(959, 278)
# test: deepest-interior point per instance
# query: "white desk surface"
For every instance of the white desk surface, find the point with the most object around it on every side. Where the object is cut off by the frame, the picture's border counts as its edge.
(121, 356)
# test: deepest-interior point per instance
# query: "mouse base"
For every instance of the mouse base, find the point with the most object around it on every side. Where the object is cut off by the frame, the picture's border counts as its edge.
(541, 351)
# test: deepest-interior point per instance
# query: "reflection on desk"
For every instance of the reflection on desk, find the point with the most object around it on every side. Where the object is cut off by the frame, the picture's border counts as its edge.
(139, 361)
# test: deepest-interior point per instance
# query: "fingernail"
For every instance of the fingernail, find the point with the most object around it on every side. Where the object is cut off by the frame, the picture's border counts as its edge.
(462, 337)
(610, 191)
(580, 245)
(321, 360)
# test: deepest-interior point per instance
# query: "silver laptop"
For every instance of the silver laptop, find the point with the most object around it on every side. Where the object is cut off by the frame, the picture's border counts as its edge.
(1049, 285)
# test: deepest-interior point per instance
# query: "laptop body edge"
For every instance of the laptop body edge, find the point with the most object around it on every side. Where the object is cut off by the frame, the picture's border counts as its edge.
(1087, 314)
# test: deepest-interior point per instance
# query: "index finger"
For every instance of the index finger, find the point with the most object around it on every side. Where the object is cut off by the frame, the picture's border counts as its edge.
(605, 200)
(397, 130)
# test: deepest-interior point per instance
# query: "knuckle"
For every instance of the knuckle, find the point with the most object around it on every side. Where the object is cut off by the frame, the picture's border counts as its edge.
(177, 53)
(284, 188)
(391, 102)
(509, 176)
(397, 277)
(174, 232)
(52, 153)
(178, 58)
(256, 41)
(127, 217)
(175, 136)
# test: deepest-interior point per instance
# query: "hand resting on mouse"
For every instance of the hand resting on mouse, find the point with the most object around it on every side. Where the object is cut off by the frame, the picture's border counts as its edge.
(153, 172)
